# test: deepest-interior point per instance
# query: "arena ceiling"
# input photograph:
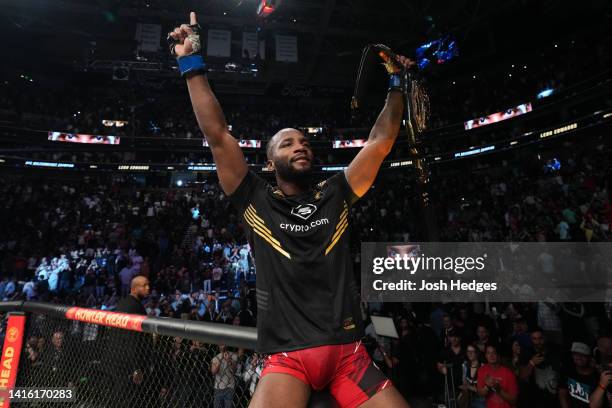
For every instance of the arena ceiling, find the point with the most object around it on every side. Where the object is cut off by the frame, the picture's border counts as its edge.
(331, 33)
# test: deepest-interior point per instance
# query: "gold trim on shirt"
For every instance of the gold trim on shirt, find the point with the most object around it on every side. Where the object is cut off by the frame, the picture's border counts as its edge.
(259, 227)
(340, 228)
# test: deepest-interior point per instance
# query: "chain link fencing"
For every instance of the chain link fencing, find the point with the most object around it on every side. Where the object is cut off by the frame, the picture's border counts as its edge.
(112, 367)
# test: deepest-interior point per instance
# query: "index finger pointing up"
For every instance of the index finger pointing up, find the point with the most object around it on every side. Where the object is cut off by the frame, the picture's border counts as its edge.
(192, 18)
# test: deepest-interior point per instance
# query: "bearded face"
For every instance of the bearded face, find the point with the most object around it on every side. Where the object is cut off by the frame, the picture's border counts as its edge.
(290, 155)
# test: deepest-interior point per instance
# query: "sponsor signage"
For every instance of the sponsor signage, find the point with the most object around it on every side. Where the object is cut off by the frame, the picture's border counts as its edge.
(9, 364)
(104, 318)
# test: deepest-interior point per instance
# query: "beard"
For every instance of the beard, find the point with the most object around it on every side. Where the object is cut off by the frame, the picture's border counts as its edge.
(287, 172)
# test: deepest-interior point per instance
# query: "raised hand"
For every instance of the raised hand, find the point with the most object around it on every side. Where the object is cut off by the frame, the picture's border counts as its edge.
(185, 40)
(405, 61)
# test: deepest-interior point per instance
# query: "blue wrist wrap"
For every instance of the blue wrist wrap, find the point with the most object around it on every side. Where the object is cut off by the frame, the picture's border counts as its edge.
(191, 63)
(396, 82)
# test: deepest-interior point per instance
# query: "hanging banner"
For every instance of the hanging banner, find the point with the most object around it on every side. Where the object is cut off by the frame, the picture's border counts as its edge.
(11, 351)
(251, 46)
(219, 43)
(286, 48)
(148, 37)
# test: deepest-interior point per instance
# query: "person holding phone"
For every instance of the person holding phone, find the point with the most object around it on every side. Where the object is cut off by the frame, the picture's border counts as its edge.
(223, 367)
(539, 370)
(602, 395)
(496, 383)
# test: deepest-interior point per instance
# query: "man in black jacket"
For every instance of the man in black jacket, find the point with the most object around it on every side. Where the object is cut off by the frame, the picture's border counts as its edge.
(139, 289)
(128, 353)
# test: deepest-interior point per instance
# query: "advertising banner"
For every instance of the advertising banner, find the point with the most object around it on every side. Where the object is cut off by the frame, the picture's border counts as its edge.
(11, 351)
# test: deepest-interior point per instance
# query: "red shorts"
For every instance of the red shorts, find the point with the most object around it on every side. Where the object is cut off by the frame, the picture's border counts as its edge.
(346, 369)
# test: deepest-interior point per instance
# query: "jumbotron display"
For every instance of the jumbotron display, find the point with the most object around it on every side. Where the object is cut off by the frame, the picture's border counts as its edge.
(343, 144)
(246, 143)
(81, 138)
(499, 116)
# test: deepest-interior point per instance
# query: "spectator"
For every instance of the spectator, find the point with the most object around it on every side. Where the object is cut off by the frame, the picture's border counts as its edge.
(496, 383)
(126, 274)
(603, 352)
(139, 289)
(483, 338)
(450, 362)
(225, 316)
(3, 283)
(550, 322)
(469, 396)
(223, 367)
(57, 363)
(252, 373)
(10, 289)
(579, 381)
(247, 318)
(602, 396)
(540, 367)
(513, 361)
(563, 230)
(29, 288)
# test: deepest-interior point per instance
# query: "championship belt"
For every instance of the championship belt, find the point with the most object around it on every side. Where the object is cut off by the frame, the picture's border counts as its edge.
(400, 79)
(416, 100)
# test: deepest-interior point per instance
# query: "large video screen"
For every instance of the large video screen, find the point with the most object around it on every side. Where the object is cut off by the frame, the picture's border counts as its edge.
(499, 116)
(342, 144)
(437, 52)
(81, 138)
(249, 144)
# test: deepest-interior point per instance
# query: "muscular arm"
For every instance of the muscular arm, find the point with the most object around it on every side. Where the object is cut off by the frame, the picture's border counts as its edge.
(362, 171)
(229, 159)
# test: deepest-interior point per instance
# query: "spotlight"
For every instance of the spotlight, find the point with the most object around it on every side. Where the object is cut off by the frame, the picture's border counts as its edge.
(267, 7)
(179, 183)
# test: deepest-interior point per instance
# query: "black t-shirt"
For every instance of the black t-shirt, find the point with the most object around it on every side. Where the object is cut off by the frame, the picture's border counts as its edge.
(579, 387)
(306, 292)
(541, 389)
(130, 304)
(126, 351)
(448, 356)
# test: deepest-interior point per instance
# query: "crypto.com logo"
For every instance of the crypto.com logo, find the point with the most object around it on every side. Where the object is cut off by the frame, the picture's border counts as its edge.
(304, 211)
